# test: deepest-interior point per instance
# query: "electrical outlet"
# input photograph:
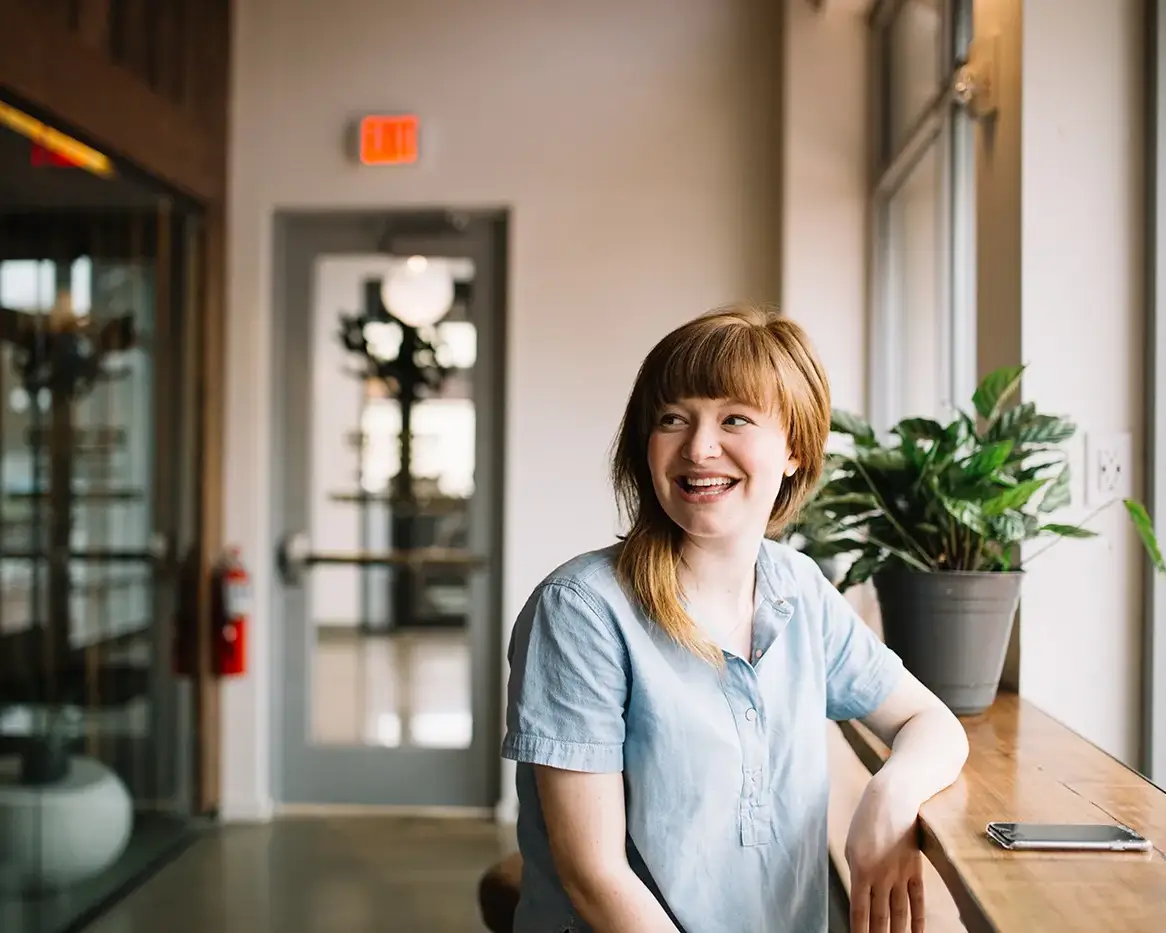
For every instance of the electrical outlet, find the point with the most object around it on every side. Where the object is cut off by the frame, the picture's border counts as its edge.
(1108, 461)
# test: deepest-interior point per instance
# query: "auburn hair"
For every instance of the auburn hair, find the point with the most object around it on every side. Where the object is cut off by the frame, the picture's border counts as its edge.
(744, 352)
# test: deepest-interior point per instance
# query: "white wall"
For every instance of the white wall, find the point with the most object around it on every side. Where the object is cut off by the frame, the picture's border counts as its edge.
(637, 147)
(1082, 219)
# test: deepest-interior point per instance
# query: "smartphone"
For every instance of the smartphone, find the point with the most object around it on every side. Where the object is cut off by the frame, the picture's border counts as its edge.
(1111, 837)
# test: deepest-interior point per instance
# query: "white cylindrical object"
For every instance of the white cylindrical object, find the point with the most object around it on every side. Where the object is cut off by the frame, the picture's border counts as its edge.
(56, 835)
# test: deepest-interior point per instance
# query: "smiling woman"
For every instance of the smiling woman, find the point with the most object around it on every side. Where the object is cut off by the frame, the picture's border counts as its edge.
(739, 394)
(667, 693)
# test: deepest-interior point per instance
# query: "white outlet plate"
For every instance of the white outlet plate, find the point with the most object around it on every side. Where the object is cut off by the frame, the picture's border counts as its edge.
(1108, 465)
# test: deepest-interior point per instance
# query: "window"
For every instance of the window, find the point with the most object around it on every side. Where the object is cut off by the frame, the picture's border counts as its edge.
(1153, 763)
(923, 346)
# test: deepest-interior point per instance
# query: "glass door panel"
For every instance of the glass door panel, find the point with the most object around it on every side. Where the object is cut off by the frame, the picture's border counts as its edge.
(95, 475)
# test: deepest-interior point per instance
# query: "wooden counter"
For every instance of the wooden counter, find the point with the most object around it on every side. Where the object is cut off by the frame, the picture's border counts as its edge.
(1026, 766)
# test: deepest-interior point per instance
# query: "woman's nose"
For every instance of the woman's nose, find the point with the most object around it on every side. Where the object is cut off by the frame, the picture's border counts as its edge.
(702, 444)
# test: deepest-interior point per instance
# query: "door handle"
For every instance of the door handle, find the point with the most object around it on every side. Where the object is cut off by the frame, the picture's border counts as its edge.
(296, 555)
(292, 558)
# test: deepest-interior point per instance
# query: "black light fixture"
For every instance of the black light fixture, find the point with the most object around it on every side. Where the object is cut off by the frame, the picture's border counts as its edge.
(389, 337)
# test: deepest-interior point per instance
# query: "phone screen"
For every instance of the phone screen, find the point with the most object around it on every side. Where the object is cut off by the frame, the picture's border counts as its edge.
(1068, 834)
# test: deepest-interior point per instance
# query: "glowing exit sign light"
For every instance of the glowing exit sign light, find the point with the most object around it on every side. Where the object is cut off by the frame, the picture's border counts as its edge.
(388, 140)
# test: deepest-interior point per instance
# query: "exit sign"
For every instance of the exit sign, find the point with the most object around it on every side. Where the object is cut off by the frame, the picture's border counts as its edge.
(388, 140)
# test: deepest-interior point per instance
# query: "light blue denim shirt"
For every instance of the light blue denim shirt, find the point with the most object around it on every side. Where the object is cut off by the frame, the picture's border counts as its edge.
(725, 774)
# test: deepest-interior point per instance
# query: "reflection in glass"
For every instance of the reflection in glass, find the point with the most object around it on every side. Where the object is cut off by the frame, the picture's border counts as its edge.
(93, 736)
(392, 477)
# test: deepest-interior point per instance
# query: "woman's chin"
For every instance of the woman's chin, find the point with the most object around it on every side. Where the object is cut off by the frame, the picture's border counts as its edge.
(705, 528)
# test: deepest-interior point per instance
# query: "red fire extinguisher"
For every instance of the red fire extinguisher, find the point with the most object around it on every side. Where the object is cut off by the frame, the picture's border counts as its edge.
(230, 612)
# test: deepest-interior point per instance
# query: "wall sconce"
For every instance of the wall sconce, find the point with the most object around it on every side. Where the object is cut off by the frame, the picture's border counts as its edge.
(976, 83)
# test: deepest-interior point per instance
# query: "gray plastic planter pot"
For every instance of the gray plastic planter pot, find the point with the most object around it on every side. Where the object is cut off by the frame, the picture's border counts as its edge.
(951, 628)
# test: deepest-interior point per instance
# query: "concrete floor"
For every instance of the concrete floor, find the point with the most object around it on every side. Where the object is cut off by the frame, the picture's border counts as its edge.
(319, 875)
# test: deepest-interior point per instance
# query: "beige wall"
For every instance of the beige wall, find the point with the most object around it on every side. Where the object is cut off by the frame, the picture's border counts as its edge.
(637, 147)
(824, 277)
(1082, 243)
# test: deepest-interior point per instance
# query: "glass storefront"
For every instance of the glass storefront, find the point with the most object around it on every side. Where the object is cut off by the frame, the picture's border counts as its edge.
(98, 497)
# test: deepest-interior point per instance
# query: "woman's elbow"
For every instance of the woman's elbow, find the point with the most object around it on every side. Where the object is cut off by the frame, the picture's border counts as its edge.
(594, 891)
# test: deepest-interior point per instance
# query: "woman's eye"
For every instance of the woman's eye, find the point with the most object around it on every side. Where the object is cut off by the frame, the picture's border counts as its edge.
(737, 421)
(668, 420)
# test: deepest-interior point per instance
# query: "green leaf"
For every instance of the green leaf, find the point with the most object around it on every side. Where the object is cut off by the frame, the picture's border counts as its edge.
(1057, 495)
(967, 513)
(852, 425)
(1009, 528)
(995, 390)
(851, 503)
(882, 459)
(1068, 531)
(920, 429)
(833, 547)
(1011, 422)
(1045, 430)
(861, 570)
(988, 458)
(1145, 529)
(1013, 497)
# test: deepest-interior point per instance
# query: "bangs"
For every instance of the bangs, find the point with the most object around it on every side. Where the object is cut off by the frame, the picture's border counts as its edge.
(727, 360)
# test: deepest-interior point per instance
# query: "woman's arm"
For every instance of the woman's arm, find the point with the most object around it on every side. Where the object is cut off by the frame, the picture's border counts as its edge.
(584, 815)
(928, 744)
(928, 750)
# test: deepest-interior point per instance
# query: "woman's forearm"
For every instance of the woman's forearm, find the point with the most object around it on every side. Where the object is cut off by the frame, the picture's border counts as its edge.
(619, 902)
(587, 830)
(927, 756)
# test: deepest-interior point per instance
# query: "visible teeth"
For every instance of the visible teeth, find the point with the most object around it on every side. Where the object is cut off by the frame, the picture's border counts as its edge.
(719, 481)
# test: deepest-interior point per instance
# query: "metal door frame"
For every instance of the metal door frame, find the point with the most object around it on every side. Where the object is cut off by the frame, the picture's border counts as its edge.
(324, 775)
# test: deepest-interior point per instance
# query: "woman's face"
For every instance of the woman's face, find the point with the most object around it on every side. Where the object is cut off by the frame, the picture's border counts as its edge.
(717, 466)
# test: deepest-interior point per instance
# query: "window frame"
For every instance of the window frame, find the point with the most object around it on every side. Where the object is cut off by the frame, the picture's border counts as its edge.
(944, 124)
(1153, 744)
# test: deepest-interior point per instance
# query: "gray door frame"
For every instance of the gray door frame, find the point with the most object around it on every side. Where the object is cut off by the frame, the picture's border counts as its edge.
(307, 773)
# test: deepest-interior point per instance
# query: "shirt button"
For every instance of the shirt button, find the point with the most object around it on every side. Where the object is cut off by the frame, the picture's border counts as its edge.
(757, 654)
(750, 714)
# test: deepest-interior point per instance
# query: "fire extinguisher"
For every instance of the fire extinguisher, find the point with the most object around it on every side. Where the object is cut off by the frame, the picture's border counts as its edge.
(230, 612)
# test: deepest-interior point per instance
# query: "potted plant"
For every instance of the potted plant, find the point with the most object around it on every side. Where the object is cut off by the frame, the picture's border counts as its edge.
(934, 517)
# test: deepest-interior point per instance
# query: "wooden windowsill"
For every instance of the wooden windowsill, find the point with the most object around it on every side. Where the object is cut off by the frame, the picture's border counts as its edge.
(1026, 766)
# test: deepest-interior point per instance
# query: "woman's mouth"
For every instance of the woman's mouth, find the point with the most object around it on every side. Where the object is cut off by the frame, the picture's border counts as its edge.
(704, 489)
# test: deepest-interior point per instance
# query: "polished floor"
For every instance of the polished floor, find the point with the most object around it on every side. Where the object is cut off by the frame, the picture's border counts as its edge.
(320, 875)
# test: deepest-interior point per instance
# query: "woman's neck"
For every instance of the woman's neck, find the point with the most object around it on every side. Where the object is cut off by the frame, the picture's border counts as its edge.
(723, 573)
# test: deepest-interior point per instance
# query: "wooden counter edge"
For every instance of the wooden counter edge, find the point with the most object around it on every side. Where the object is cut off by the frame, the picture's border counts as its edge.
(872, 752)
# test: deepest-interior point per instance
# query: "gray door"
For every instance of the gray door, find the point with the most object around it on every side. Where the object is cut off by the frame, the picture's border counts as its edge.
(389, 341)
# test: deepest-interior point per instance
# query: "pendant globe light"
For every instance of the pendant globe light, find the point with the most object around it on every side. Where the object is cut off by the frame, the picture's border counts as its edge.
(419, 293)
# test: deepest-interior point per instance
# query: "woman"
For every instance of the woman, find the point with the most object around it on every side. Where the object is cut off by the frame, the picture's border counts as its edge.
(668, 694)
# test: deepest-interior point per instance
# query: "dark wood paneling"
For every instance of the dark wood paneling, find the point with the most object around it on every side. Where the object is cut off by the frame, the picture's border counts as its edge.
(92, 23)
(211, 404)
(42, 61)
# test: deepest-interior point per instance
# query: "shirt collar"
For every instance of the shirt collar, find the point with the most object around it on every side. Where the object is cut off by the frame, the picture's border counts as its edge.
(775, 601)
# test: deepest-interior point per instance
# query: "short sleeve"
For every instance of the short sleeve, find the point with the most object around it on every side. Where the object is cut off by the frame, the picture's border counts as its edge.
(568, 684)
(861, 671)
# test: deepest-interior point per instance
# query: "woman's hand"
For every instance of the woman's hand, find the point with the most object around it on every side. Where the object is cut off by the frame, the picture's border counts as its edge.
(886, 866)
